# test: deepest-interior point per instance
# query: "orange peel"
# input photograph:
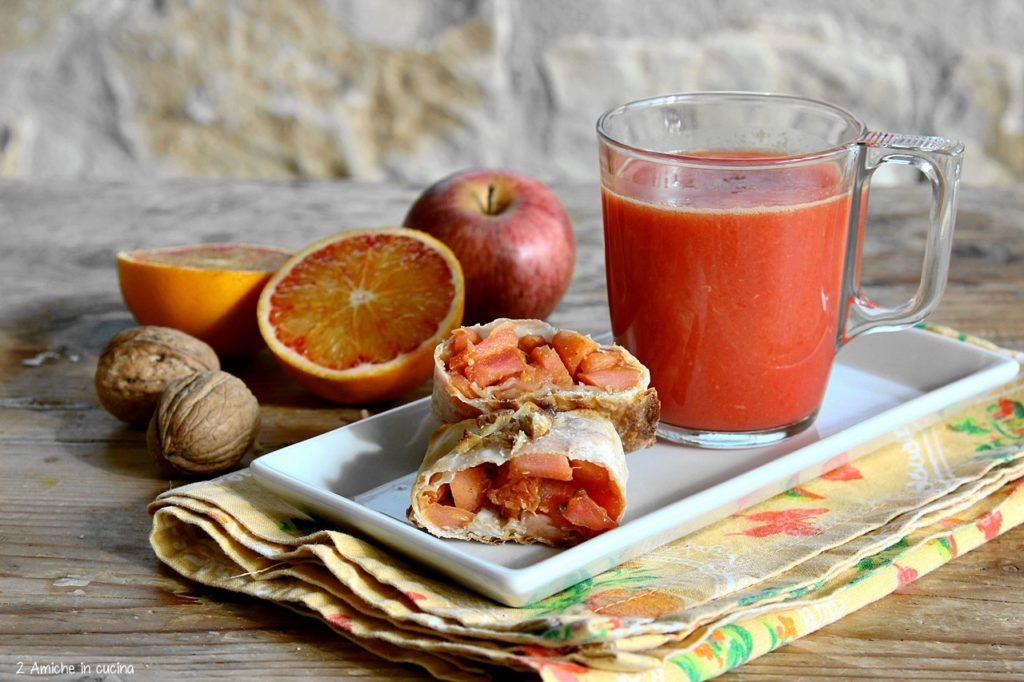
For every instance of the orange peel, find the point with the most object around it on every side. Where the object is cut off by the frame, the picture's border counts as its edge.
(206, 290)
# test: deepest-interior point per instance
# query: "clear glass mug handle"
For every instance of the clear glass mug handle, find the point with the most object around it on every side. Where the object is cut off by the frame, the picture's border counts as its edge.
(939, 160)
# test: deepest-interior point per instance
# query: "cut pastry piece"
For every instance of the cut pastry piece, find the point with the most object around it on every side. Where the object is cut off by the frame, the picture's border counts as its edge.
(508, 363)
(529, 476)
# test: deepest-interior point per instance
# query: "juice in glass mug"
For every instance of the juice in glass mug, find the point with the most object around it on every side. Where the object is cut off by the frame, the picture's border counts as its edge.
(732, 252)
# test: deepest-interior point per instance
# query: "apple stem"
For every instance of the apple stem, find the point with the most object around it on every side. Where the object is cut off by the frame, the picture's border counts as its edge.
(490, 199)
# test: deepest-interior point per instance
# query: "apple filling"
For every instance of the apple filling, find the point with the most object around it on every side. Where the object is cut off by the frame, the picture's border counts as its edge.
(505, 366)
(558, 499)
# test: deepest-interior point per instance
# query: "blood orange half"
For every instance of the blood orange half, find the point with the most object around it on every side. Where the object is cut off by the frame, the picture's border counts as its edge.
(355, 317)
(206, 290)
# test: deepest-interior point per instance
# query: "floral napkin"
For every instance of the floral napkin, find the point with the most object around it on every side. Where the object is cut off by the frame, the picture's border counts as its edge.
(689, 610)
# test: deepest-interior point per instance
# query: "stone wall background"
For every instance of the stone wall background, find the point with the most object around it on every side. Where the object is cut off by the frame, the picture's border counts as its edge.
(413, 89)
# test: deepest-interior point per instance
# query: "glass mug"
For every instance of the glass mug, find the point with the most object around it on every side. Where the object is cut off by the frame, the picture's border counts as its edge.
(733, 225)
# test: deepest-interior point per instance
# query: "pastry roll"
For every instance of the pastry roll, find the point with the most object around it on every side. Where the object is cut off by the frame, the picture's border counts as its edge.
(508, 363)
(527, 476)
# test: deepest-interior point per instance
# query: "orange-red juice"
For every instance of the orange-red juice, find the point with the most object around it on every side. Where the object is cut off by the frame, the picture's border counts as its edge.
(732, 295)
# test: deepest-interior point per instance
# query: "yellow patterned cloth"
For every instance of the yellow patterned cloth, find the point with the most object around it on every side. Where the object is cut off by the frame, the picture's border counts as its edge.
(689, 610)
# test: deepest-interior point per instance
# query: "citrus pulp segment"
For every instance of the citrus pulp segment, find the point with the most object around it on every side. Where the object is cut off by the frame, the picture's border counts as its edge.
(355, 317)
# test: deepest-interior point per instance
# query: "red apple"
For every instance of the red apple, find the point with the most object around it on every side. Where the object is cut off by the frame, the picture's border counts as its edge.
(511, 235)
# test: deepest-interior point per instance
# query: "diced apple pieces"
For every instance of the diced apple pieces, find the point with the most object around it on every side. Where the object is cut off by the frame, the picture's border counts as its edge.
(460, 361)
(567, 492)
(600, 359)
(572, 348)
(515, 386)
(546, 358)
(464, 385)
(531, 341)
(463, 338)
(469, 488)
(582, 511)
(511, 366)
(611, 379)
(594, 480)
(490, 369)
(501, 338)
(443, 516)
(554, 494)
(541, 465)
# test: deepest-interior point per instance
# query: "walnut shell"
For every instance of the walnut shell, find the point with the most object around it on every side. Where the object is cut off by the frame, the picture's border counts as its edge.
(137, 364)
(204, 423)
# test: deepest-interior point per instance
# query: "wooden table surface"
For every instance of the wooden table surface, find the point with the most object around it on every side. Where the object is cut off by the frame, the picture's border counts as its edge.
(78, 582)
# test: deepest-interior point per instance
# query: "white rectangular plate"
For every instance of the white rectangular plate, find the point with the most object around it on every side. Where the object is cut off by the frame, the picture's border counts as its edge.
(359, 475)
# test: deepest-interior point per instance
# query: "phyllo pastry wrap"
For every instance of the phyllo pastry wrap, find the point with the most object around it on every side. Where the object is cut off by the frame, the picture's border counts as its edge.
(526, 476)
(508, 363)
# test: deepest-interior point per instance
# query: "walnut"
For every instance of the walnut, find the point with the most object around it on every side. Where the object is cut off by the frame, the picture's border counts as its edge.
(204, 423)
(137, 364)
